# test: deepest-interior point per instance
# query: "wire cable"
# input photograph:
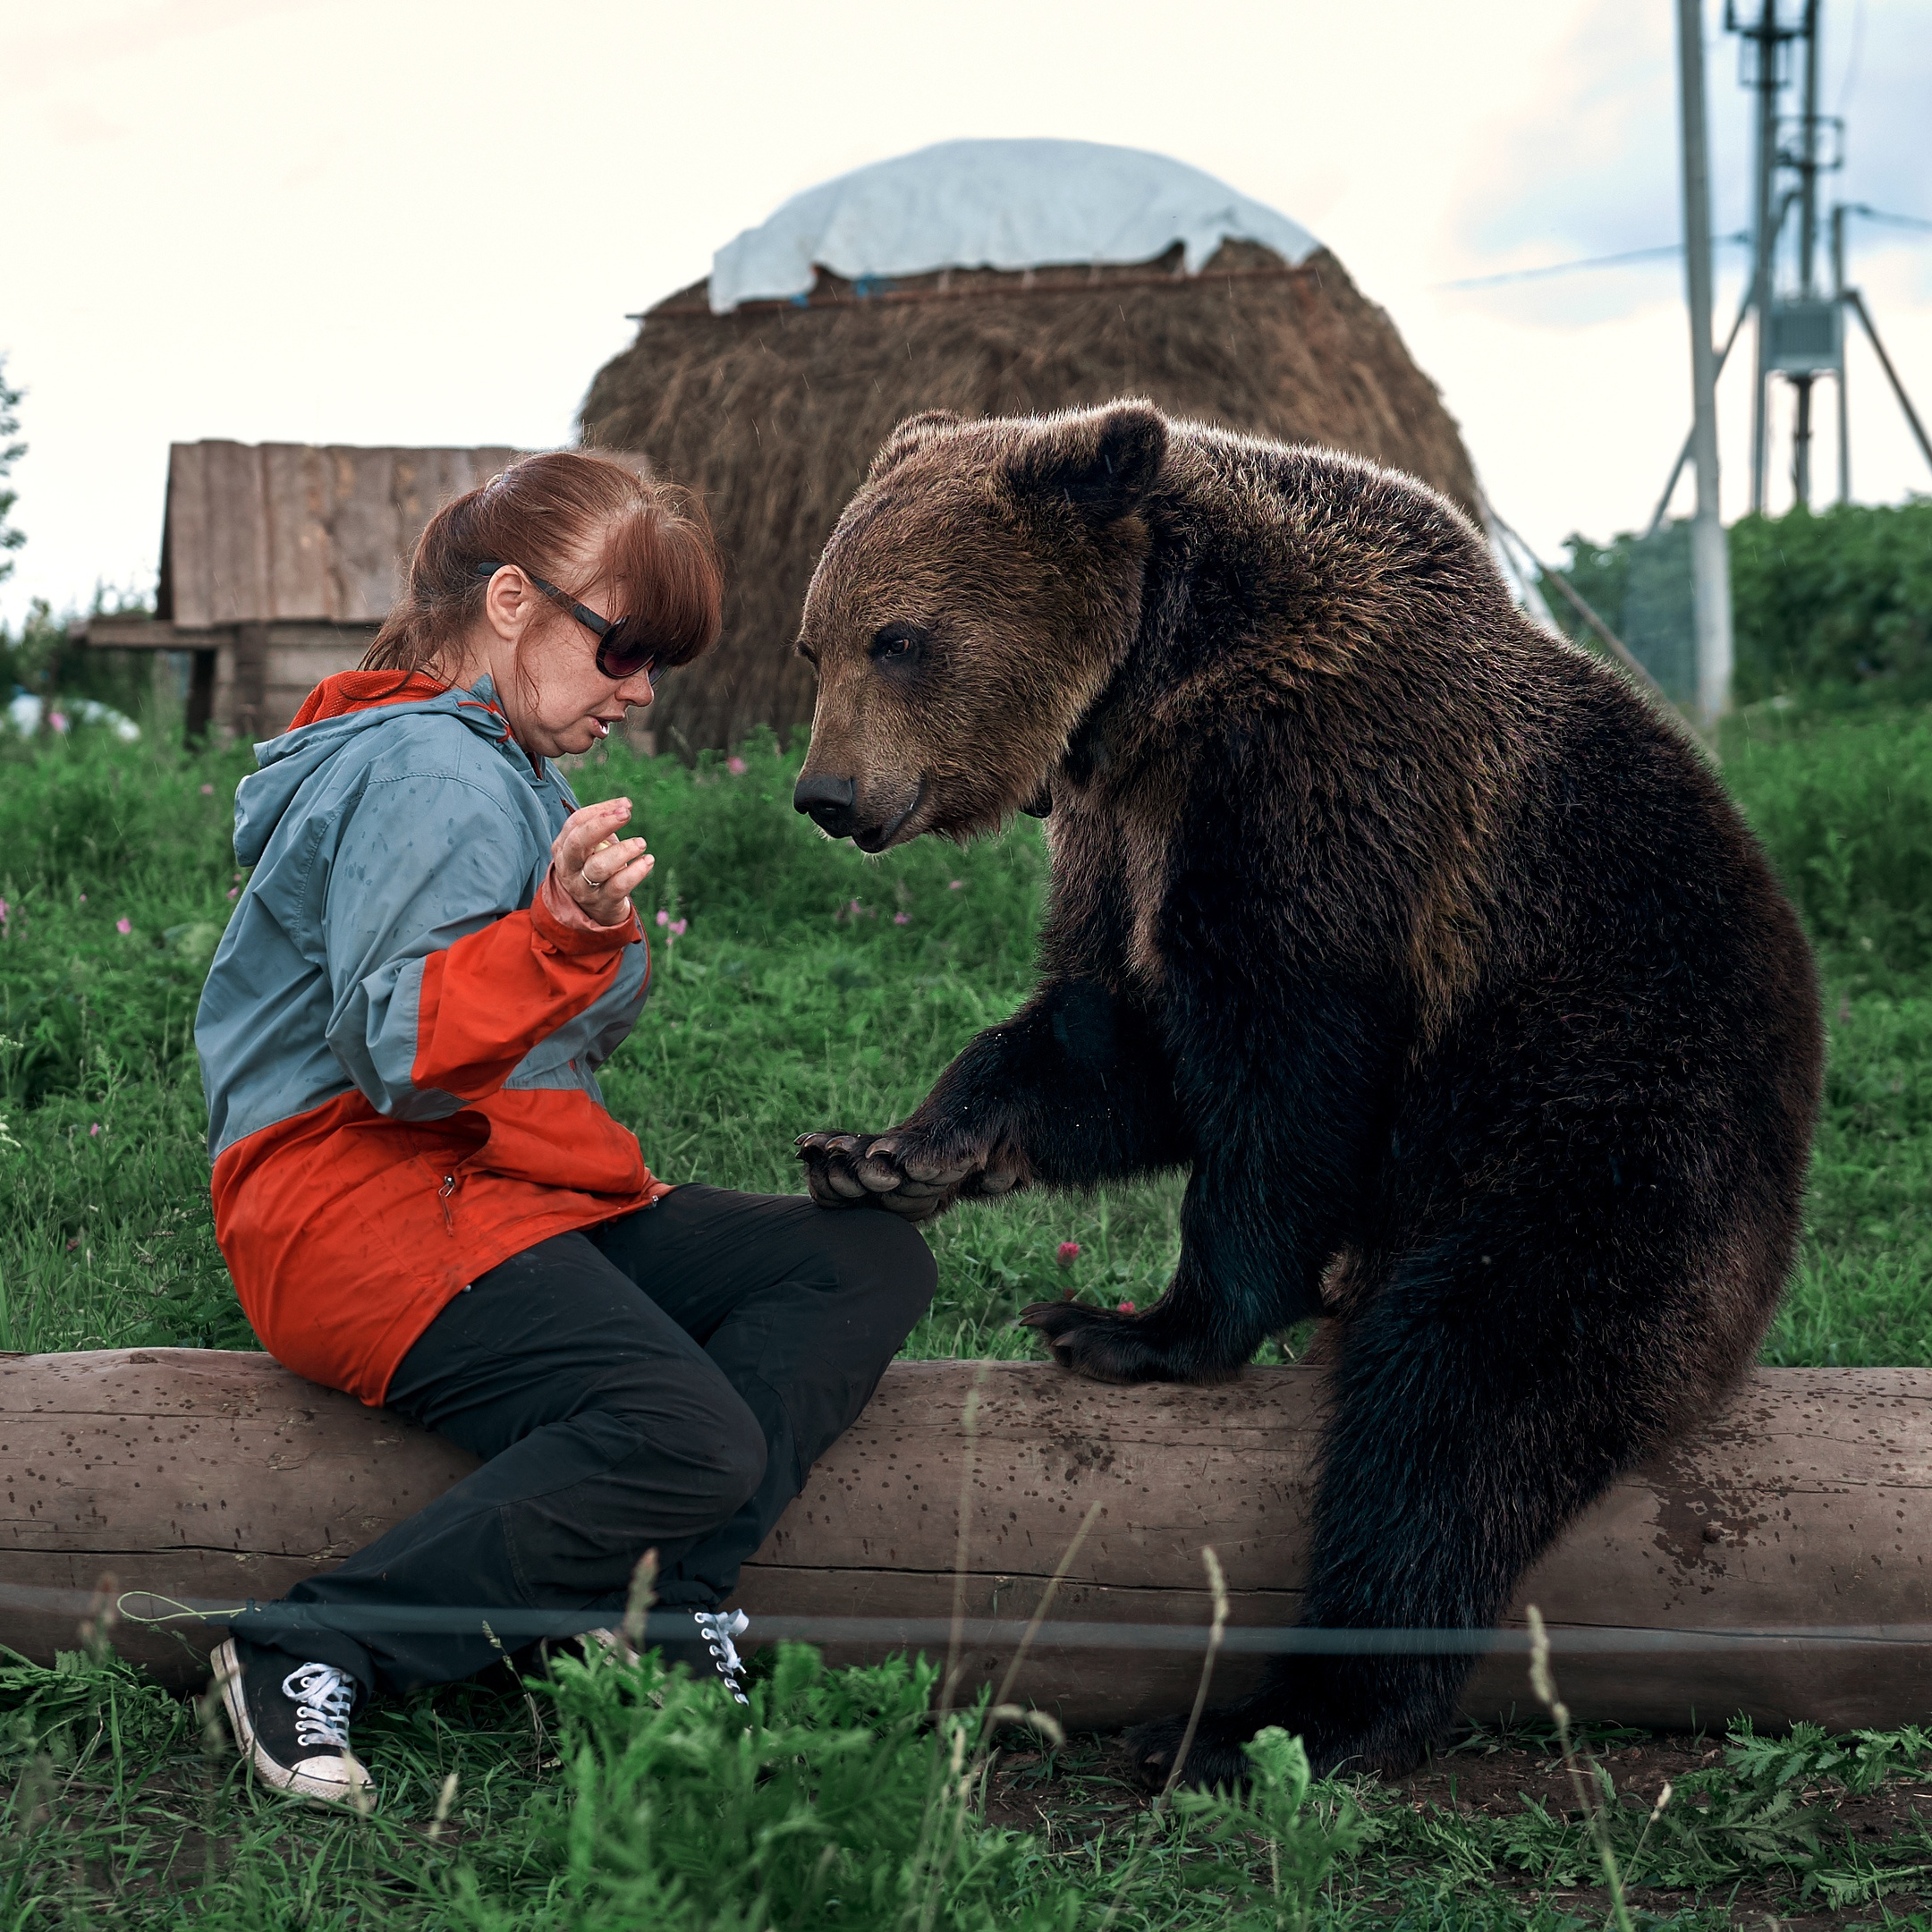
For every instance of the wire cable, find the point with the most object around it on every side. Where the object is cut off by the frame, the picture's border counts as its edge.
(1881, 215)
(519, 1626)
(1591, 261)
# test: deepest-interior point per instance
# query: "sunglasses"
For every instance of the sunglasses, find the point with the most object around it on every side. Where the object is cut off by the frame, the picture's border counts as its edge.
(622, 650)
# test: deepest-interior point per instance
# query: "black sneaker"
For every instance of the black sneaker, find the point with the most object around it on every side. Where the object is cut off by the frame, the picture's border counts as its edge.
(295, 1728)
(716, 1630)
(709, 1649)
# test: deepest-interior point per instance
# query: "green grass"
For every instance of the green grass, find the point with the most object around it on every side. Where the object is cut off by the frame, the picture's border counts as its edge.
(1845, 807)
(601, 1797)
(814, 988)
(794, 1000)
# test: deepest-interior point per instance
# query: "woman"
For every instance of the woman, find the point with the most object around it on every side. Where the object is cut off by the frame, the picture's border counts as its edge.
(417, 1190)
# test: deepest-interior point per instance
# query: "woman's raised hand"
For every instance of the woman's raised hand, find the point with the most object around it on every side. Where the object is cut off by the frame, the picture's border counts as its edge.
(599, 869)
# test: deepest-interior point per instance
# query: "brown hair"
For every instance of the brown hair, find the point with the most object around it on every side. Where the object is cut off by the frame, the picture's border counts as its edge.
(656, 552)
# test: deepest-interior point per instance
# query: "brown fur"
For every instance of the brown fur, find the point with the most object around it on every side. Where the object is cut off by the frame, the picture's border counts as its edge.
(1441, 960)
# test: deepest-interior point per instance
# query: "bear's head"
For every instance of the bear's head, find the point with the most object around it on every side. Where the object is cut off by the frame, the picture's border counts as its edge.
(971, 604)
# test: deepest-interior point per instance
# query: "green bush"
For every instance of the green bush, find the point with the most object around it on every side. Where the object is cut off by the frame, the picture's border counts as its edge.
(11, 452)
(1834, 606)
(41, 658)
(1838, 605)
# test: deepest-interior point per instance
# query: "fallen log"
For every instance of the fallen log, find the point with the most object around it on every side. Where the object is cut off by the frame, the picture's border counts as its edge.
(211, 1478)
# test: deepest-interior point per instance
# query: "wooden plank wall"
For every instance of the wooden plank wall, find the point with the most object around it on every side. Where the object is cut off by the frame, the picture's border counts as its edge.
(282, 559)
(263, 672)
(299, 657)
(283, 531)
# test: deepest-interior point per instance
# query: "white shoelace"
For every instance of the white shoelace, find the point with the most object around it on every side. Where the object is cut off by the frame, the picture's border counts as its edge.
(718, 1627)
(323, 1698)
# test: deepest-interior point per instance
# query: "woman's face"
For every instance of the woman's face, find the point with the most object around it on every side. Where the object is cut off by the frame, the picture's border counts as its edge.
(543, 662)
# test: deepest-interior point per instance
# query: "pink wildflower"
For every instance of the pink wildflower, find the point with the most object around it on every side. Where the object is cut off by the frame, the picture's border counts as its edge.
(208, 790)
(235, 891)
(58, 720)
(83, 898)
(1068, 1253)
(954, 884)
(737, 767)
(94, 1129)
(902, 918)
(678, 926)
(664, 918)
(123, 927)
(1126, 1308)
(4, 908)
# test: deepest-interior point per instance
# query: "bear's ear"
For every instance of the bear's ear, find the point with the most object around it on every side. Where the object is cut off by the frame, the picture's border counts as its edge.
(1102, 462)
(907, 437)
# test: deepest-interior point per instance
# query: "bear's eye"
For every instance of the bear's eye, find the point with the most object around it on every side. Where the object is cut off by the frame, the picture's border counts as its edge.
(897, 646)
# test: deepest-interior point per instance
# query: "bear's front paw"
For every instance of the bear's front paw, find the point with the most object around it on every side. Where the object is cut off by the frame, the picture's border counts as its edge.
(901, 1172)
(842, 1171)
(1214, 1759)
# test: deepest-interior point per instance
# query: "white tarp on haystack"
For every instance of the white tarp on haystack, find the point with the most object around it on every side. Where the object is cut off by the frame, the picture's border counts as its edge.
(995, 204)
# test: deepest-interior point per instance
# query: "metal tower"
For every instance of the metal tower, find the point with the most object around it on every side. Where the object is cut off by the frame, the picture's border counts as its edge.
(1800, 334)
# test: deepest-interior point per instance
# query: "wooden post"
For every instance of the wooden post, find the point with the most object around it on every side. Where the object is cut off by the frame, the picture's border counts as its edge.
(200, 697)
(249, 699)
(216, 1477)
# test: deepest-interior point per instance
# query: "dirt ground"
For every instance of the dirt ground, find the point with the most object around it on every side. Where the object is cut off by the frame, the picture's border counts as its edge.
(1072, 1793)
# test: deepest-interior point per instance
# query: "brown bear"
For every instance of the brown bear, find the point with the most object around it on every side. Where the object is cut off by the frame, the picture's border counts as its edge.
(1441, 960)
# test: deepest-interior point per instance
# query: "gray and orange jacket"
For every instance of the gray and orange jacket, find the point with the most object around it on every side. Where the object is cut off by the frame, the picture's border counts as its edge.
(400, 1030)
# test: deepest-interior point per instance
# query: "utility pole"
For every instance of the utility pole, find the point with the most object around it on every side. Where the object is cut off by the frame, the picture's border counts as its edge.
(1838, 300)
(1763, 237)
(1710, 560)
(1807, 174)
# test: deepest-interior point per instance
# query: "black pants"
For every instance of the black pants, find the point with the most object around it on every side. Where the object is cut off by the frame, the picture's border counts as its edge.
(664, 1381)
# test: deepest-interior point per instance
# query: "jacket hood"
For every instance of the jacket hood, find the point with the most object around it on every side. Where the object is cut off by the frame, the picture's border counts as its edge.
(287, 763)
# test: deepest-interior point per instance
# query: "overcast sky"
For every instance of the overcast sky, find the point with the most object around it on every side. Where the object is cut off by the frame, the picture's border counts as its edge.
(424, 221)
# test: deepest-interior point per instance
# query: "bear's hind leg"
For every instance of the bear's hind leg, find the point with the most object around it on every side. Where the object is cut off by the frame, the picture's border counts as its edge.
(1471, 1421)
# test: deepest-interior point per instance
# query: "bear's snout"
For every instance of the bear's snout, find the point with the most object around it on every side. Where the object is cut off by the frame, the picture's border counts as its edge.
(827, 800)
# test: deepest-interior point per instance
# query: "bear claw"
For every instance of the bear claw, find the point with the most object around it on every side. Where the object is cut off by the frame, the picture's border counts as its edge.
(897, 1171)
(1095, 1343)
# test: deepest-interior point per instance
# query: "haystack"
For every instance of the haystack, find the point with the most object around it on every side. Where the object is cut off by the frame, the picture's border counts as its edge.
(912, 292)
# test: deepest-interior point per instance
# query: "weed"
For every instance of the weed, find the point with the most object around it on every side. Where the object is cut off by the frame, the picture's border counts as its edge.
(1298, 1833)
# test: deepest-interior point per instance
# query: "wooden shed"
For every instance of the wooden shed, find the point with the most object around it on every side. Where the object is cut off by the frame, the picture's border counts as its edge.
(279, 560)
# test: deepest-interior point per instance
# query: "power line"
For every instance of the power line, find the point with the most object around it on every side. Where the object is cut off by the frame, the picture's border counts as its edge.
(1880, 214)
(1657, 253)
(1858, 54)
(520, 1626)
